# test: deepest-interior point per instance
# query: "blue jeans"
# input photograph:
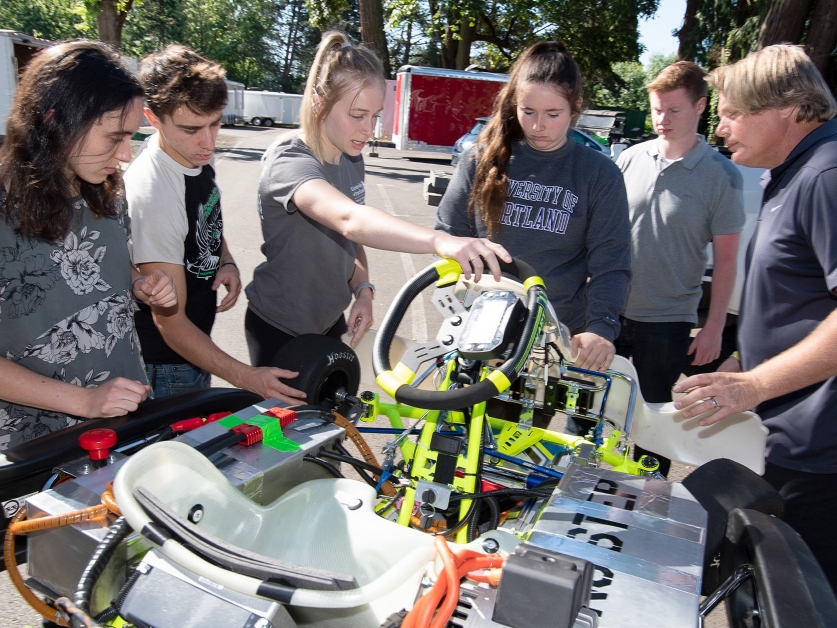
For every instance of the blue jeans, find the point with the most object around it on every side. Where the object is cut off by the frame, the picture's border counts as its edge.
(167, 379)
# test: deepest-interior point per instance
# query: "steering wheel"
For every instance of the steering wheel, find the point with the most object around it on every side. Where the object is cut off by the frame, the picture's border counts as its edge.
(445, 273)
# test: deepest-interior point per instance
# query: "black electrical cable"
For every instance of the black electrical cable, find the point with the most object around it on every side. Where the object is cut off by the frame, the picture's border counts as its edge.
(214, 445)
(462, 522)
(112, 611)
(361, 472)
(104, 551)
(474, 529)
(324, 453)
(325, 465)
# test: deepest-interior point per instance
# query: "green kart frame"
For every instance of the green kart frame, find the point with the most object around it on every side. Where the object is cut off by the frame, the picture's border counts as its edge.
(452, 411)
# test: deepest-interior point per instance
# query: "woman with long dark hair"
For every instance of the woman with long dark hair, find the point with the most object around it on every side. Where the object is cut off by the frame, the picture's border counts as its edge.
(67, 287)
(548, 200)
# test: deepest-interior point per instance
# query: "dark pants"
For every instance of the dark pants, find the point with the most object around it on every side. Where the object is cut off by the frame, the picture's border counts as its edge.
(658, 352)
(810, 509)
(264, 340)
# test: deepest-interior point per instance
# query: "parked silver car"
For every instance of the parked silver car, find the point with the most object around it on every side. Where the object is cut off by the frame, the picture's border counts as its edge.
(466, 141)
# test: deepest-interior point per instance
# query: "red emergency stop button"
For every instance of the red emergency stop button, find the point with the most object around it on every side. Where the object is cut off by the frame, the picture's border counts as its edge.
(97, 443)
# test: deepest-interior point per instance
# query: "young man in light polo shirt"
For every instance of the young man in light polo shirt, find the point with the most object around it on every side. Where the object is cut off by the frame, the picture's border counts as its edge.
(682, 195)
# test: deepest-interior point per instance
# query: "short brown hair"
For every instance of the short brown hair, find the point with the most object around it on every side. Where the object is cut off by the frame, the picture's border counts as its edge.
(178, 76)
(683, 74)
(776, 77)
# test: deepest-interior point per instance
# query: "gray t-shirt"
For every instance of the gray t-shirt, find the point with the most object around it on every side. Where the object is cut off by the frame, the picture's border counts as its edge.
(66, 312)
(674, 211)
(303, 286)
(567, 216)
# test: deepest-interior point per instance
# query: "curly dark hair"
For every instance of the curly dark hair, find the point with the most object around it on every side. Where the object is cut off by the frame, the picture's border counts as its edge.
(546, 63)
(63, 92)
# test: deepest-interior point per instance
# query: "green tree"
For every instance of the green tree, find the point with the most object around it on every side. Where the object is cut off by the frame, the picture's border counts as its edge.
(110, 18)
(634, 78)
(47, 19)
(152, 25)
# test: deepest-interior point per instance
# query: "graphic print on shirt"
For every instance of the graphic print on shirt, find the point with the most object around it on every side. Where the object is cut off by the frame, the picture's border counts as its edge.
(208, 229)
(202, 247)
(549, 209)
(359, 193)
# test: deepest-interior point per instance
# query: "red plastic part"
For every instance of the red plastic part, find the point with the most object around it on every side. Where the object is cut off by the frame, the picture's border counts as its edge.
(97, 442)
(285, 415)
(252, 432)
(195, 422)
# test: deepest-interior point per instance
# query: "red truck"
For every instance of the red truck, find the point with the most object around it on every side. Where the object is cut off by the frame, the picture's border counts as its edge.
(435, 107)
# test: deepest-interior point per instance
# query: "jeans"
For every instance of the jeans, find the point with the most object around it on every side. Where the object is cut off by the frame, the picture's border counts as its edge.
(168, 379)
(658, 351)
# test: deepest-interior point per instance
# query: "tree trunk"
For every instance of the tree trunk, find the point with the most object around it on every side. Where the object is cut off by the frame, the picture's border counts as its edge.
(449, 48)
(822, 35)
(785, 22)
(110, 21)
(689, 33)
(463, 50)
(408, 43)
(372, 31)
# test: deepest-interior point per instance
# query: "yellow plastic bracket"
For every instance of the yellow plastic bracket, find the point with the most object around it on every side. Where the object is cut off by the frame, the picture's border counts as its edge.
(449, 271)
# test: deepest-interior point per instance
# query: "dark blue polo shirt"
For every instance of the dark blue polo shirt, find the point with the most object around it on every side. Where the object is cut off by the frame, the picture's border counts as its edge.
(789, 290)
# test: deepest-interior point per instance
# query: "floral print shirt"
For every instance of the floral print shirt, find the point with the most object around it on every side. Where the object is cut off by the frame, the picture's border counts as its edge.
(67, 312)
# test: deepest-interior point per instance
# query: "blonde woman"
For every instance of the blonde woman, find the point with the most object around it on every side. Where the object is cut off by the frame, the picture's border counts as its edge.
(314, 218)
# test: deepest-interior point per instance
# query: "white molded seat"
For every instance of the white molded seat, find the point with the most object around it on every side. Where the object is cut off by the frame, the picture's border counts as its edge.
(327, 525)
(661, 428)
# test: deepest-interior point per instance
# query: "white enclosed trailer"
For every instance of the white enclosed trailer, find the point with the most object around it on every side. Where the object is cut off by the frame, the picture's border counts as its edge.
(16, 50)
(264, 108)
(234, 111)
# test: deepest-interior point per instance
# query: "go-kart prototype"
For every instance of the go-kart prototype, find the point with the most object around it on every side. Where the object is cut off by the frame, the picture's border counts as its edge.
(477, 515)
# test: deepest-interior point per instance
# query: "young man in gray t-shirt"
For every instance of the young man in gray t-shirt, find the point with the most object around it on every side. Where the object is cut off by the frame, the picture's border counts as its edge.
(681, 196)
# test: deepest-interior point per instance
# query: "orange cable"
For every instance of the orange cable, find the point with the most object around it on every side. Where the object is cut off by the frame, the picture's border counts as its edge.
(26, 593)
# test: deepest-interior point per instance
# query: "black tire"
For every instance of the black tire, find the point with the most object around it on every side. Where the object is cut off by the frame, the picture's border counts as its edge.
(325, 366)
(722, 486)
(268, 122)
(256, 121)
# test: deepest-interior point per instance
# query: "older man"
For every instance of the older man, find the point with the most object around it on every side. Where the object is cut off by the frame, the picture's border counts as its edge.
(776, 112)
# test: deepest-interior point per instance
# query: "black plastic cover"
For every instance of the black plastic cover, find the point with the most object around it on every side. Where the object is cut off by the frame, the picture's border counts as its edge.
(535, 579)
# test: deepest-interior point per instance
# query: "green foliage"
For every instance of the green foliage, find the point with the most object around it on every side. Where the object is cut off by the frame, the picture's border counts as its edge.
(634, 78)
(728, 27)
(48, 19)
(326, 13)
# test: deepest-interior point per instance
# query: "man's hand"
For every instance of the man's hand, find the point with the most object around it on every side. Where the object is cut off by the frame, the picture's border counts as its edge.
(155, 289)
(594, 352)
(227, 275)
(706, 345)
(718, 395)
(472, 254)
(360, 316)
(264, 381)
(117, 397)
